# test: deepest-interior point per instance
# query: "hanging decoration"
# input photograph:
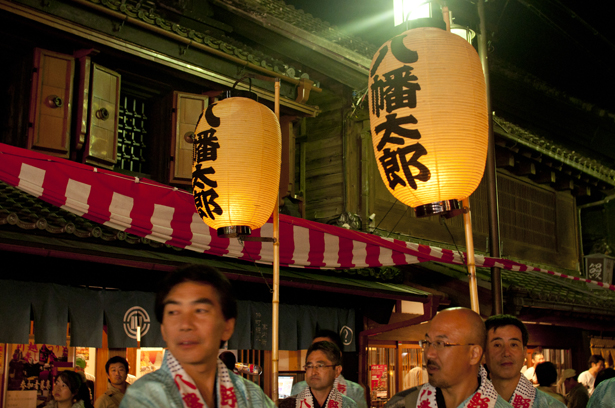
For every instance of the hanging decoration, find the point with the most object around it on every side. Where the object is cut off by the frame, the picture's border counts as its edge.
(237, 153)
(428, 114)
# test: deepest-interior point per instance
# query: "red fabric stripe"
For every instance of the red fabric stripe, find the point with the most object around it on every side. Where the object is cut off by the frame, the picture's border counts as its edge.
(287, 243)
(317, 249)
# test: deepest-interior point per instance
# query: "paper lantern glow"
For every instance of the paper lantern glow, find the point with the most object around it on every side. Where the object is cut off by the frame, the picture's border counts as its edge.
(237, 153)
(428, 114)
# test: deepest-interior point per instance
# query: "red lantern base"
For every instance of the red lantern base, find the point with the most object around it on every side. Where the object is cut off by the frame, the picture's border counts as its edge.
(448, 208)
(234, 231)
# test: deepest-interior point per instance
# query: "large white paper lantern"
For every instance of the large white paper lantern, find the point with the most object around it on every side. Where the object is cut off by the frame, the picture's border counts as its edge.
(237, 155)
(429, 119)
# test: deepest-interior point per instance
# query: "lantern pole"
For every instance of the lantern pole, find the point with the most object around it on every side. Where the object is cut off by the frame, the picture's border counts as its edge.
(470, 262)
(276, 276)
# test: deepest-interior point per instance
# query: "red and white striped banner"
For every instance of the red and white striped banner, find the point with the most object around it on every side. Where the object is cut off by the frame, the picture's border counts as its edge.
(166, 214)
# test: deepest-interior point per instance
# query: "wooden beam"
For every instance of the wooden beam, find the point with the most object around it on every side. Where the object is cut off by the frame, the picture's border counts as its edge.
(504, 158)
(544, 176)
(581, 190)
(525, 168)
(563, 183)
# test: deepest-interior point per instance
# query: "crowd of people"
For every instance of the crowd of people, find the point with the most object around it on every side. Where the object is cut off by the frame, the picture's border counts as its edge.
(470, 363)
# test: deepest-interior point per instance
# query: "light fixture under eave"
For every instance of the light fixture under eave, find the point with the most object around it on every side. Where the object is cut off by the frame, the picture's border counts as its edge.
(236, 165)
(464, 32)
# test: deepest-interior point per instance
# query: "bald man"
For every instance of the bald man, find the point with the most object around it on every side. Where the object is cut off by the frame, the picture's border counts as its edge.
(453, 348)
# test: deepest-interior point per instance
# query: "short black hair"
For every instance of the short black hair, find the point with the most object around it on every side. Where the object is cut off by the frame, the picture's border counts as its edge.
(229, 359)
(537, 352)
(199, 274)
(594, 359)
(330, 334)
(497, 321)
(546, 373)
(332, 352)
(604, 375)
(116, 359)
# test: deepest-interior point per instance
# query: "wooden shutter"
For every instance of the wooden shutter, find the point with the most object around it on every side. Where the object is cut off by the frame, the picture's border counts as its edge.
(51, 102)
(187, 108)
(101, 145)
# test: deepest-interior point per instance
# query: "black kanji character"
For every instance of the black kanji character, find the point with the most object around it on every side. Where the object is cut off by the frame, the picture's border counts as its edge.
(205, 200)
(390, 164)
(199, 177)
(205, 146)
(393, 126)
(417, 151)
(394, 90)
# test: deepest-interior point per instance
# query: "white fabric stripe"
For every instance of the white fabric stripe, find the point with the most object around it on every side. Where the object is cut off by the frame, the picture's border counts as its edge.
(359, 254)
(332, 249)
(301, 238)
(234, 248)
(200, 234)
(120, 209)
(31, 179)
(386, 256)
(267, 247)
(161, 221)
(411, 259)
(77, 194)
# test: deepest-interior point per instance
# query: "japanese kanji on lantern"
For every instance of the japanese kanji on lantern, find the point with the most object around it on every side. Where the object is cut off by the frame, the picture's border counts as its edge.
(429, 120)
(236, 161)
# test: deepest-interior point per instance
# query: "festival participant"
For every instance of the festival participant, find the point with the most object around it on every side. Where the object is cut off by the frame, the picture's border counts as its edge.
(530, 373)
(604, 395)
(346, 387)
(323, 366)
(576, 393)
(588, 378)
(453, 348)
(507, 339)
(117, 372)
(70, 391)
(196, 310)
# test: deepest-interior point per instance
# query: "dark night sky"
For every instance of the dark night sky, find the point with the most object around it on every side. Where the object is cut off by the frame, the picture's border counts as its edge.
(544, 37)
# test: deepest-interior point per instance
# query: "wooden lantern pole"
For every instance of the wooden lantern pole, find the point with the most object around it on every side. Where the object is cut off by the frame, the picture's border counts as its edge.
(276, 276)
(470, 262)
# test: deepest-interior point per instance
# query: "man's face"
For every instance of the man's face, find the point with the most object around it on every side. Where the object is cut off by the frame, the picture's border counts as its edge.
(538, 358)
(193, 323)
(321, 379)
(117, 374)
(598, 367)
(505, 352)
(450, 365)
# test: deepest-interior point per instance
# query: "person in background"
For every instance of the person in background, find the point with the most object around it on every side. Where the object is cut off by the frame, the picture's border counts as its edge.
(117, 372)
(346, 387)
(547, 378)
(80, 365)
(530, 373)
(576, 393)
(604, 375)
(588, 378)
(323, 365)
(70, 391)
(604, 395)
(453, 348)
(229, 360)
(507, 339)
(197, 310)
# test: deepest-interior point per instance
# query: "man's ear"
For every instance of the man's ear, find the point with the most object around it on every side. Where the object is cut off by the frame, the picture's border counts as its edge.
(338, 370)
(476, 354)
(229, 328)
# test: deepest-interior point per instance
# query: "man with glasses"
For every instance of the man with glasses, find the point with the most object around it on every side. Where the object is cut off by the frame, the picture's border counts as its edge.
(507, 339)
(453, 350)
(346, 387)
(322, 367)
